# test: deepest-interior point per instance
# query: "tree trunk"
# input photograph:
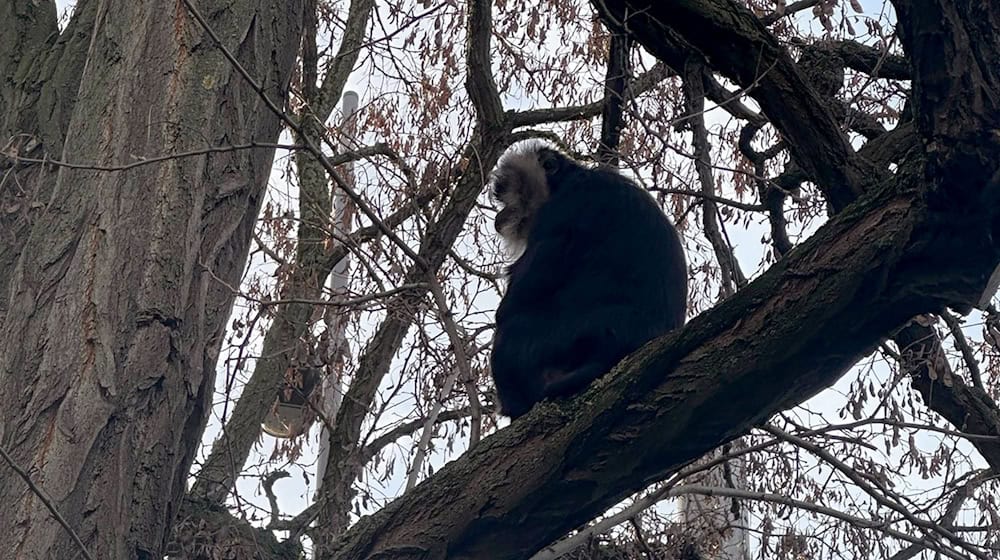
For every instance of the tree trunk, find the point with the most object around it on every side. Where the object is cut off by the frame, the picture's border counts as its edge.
(117, 285)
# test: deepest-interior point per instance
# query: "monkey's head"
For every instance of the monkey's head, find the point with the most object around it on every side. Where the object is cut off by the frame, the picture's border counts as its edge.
(524, 179)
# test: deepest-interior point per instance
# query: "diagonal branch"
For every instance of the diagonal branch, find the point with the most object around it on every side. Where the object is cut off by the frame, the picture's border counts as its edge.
(358, 15)
(787, 335)
(829, 302)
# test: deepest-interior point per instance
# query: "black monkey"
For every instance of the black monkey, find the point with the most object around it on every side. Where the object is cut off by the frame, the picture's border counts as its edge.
(599, 272)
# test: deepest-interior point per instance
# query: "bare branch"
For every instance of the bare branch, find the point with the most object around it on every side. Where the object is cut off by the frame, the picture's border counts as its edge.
(970, 409)
(732, 277)
(406, 429)
(640, 85)
(963, 346)
(462, 368)
(12, 156)
(774, 198)
(870, 60)
(43, 497)
(346, 303)
(615, 91)
(743, 50)
(710, 197)
(479, 78)
(272, 500)
(789, 10)
(572, 543)
(358, 15)
(877, 492)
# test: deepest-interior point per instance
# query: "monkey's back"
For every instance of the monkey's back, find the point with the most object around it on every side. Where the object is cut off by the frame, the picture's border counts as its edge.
(615, 247)
(603, 272)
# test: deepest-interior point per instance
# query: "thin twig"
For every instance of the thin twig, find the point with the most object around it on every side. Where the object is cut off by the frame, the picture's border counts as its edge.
(963, 346)
(406, 429)
(461, 369)
(873, 489)
(46, 502)
(571, 543)
(711, 197)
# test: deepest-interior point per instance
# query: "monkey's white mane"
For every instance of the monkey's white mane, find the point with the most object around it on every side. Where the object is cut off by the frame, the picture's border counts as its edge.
(520, 159)
(514, 249)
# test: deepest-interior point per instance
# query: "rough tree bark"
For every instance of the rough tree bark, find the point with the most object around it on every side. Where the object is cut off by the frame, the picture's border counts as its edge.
(117, 284)
(915, 241)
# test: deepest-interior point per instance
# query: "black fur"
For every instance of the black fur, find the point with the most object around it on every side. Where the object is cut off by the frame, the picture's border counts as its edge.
(602, 272)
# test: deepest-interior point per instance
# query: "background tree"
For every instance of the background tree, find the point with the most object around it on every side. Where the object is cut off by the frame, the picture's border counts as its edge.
(372, 274)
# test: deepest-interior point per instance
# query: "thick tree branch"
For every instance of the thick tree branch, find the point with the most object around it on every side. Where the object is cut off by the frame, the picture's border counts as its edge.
(738, 45)
(956, 105)
(862, 58)
(777, 342)
(789, 10)
(784, 337)
(870, 60)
